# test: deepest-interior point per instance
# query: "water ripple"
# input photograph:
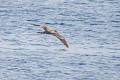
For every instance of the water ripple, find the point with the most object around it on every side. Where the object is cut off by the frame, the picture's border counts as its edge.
(90, 27)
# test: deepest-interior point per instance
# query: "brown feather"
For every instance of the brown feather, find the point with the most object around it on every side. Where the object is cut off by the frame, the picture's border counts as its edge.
(61, 38)
(53, 32)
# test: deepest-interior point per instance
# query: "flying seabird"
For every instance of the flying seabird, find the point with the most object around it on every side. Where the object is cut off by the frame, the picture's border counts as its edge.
(52, 32)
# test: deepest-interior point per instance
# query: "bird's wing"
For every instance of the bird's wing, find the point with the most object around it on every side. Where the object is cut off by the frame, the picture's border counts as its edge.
(36, 24)
(61, 38)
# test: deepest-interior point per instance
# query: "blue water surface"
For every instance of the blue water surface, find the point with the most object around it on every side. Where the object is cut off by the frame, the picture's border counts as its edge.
(91, 28)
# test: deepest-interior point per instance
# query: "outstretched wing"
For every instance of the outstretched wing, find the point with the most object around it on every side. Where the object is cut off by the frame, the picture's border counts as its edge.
(61, 38)
(36, 24)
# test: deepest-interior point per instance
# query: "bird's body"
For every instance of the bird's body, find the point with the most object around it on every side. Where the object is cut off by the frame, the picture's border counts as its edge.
(52, 32)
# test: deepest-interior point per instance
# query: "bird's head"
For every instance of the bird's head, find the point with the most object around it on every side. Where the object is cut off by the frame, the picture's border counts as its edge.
(44, 27)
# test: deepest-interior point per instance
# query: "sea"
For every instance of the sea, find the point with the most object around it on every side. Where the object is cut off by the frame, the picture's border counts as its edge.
(90, 27)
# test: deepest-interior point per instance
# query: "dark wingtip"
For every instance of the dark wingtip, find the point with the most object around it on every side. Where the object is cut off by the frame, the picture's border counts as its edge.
(67, 46)
(36, 24)
(38, 32)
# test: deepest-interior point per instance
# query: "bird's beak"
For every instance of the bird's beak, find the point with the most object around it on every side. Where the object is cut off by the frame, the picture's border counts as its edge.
(41, 26)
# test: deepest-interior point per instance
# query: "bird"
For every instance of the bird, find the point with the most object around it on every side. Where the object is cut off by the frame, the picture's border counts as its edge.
(52, 32)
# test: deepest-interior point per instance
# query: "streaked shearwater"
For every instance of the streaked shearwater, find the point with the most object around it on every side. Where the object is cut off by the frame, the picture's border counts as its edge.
(52, 32)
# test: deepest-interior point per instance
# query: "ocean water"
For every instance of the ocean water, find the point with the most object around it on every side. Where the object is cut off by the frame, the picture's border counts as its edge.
(91, 28)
